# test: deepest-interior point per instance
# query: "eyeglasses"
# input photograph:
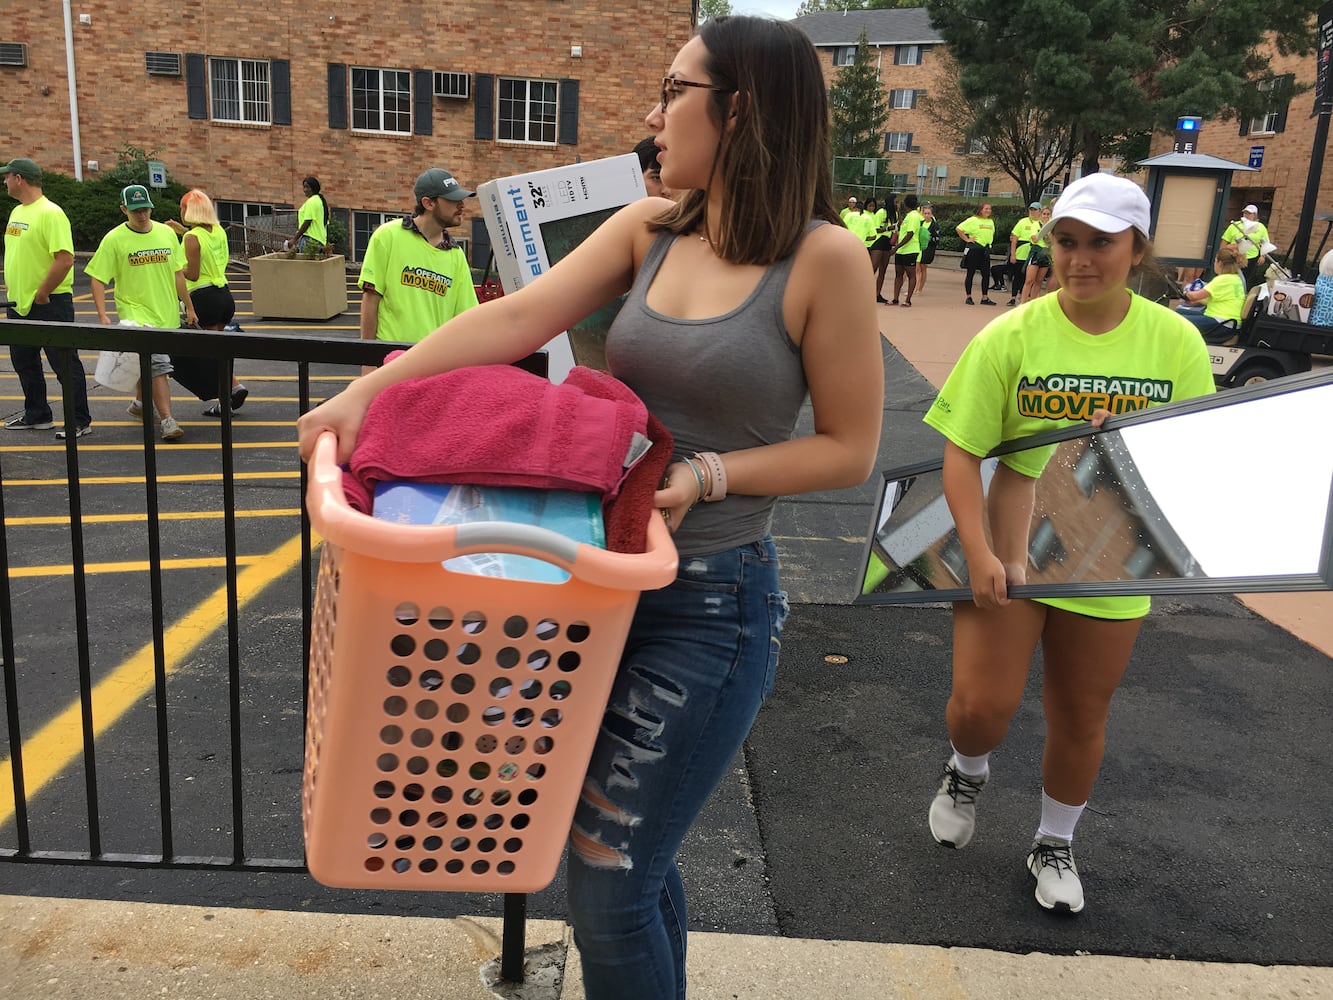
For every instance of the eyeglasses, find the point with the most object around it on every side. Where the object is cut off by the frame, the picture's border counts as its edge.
(671, 87)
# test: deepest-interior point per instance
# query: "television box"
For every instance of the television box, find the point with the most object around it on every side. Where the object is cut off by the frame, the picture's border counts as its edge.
(575, 515)
(535, 219)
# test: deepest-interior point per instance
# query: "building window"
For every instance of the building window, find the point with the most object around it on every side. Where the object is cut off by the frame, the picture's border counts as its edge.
(364, 225)
(382, 100)
(249, 225)
(904, 100)
(1087, 470)
(1141, 563)
(1046, 546)
(1277, 95)
(897, 182)
(239, 91)
(844, 55)
(897, 142)
(907, 55)
(527, 110)
(973, 187)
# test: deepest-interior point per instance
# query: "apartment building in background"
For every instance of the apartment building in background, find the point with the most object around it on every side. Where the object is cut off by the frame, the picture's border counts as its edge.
(915, 155)
(247, 98)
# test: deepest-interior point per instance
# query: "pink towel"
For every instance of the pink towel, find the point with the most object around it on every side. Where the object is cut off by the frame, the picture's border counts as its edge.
(497, 425)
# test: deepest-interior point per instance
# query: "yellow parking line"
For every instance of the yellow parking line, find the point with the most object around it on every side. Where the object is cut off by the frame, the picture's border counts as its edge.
(203, 477)
(129, 566)
(59, 743)
(181, 515)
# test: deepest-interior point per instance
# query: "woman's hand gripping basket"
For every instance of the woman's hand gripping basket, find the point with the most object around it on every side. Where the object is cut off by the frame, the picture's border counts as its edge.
(451, 717)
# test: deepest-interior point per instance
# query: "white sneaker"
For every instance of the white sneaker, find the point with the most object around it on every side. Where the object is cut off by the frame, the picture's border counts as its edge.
(953, 813)
(171, 431)
(1051, 862)
(135, 409)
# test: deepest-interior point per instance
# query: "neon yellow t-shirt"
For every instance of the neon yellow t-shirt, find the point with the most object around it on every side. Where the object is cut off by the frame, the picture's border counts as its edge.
(313, 209)
(1253, 240)
(143, 267)
(981, 230)
(862, 224)
(911, 228)
(1032, 370)
(1226, 297)
(213, 254)
(1025, 230)
(422, 286)
(33, 236)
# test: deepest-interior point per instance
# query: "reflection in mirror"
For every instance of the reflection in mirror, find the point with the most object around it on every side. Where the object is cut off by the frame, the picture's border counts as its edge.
(1215, 495)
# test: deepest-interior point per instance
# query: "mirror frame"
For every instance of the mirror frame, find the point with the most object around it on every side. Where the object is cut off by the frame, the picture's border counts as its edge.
(1321, 579)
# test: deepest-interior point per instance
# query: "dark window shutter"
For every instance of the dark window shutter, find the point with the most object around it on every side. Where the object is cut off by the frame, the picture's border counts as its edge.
(421, 101)
(1244, 124)
(1282, 92)
(196, 85)
(886, 142)
(893, 100)
(909, 142)
(898, 55)
(483, 106)
(568, 134)
(985, 185)
(481, 244)
(337, 95)
(280, 76)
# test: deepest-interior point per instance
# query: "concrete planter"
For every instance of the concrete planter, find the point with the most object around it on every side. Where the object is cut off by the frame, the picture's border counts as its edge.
(294, 287)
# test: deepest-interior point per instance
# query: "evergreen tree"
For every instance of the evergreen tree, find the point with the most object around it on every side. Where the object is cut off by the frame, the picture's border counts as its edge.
(1115, 69)
(858, 107)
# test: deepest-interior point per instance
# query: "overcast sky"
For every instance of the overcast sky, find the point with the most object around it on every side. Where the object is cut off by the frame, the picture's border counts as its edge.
(784, 9)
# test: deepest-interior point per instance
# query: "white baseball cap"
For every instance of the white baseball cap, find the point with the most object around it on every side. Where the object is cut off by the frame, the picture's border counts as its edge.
(1105, 202)
(1250, 208)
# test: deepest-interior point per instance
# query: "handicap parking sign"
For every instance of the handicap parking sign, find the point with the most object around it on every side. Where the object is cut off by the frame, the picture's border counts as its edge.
(157, 174)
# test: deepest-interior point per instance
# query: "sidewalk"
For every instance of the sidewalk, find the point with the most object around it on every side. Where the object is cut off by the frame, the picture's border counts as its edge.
(93, 950)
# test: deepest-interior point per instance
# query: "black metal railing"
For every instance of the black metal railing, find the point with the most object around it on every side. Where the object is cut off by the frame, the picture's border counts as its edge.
(172, 850)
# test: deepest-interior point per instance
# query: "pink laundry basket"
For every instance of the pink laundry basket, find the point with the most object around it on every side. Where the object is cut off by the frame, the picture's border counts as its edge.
(451, 716)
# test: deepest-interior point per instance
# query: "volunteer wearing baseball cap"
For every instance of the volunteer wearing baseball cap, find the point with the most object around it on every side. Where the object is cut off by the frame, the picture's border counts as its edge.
(1093, 348)
(39, 278)
(1250, 239)
(413, 276)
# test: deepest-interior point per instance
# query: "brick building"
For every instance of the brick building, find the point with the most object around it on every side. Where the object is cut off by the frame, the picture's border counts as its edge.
(245, 99)
(906, 49)
(1283, 139)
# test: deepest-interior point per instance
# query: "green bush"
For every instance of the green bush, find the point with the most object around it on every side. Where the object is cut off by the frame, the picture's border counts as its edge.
(93, 206)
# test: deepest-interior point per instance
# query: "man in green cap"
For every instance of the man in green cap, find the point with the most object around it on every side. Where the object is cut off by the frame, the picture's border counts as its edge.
(39, 278)
(413, 276)
(145, 260)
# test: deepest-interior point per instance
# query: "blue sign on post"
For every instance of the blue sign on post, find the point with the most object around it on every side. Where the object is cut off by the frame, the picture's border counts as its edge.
(1256, 157)
(157, 174)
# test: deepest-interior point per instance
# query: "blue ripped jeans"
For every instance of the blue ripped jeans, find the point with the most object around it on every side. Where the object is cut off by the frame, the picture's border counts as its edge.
(700, 658)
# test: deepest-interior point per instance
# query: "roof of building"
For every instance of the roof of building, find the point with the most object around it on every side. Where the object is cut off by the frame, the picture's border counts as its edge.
(895, 26)
(1197, 161)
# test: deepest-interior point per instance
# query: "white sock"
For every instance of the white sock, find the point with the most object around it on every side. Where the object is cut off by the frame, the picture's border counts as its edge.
(1057, 819)
(973, 767)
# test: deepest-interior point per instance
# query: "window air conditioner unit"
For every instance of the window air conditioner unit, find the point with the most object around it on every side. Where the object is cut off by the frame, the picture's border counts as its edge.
(457, 85)
(162, 63)
(13, 54)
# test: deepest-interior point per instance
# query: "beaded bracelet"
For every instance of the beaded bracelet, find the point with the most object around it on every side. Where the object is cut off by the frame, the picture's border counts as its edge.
(717, 475)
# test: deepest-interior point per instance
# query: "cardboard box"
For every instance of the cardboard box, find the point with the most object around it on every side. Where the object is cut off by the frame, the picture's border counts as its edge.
(1291, 300)
(535, 219)
(574, 515)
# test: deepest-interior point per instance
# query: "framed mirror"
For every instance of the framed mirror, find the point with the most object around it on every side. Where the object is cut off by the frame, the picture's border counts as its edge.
(1225, 493)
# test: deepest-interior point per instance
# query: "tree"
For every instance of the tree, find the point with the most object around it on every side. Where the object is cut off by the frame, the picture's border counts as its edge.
(815, 6)
(1028, 144)
(709, 9)
(858, 107)
(1116, 69)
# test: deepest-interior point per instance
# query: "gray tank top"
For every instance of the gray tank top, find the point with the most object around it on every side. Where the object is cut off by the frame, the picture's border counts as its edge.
(720, 384)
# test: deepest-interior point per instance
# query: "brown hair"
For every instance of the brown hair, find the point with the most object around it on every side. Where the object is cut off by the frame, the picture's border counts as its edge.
(774, 163)
(1228, 261)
